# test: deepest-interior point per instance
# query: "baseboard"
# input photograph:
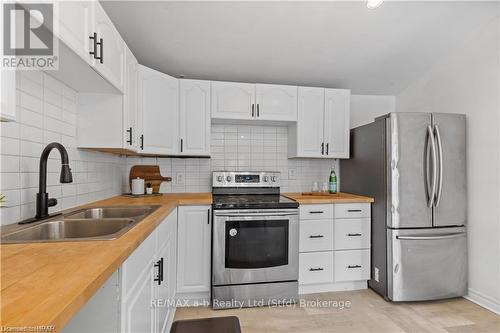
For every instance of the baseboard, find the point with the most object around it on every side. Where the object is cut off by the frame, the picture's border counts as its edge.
(193, 299)
(328, 287)
(486, 302)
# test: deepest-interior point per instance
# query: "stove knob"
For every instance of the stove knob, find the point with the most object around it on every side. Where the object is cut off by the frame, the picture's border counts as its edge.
(273, 179)
(266, 179)
(220, 179)
(229, 178)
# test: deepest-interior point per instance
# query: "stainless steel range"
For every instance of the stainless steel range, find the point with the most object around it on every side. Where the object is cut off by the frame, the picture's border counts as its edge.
(255, 251)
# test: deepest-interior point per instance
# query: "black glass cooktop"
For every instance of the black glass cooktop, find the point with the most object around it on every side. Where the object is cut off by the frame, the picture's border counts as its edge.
(253, 201)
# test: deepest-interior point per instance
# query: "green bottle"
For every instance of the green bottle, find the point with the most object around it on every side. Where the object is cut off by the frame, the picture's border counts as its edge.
(333, 181)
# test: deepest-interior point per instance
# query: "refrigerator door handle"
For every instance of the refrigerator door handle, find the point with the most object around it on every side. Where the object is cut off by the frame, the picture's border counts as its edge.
(432, 192)
(446, 236)
(440, 158)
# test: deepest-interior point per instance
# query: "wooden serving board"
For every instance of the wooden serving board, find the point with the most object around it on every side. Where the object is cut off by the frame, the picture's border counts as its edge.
(150, 174)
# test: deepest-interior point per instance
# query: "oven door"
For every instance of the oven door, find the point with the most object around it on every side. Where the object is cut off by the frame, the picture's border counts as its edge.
(253, 246)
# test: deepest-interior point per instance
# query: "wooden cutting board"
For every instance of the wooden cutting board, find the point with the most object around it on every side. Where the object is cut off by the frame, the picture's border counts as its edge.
(150, 174)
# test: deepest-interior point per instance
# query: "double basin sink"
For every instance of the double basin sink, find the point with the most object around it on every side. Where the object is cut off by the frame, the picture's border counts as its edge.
(100, 223)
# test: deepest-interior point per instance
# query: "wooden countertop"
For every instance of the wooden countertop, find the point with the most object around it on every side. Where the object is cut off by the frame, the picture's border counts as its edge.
(340, 197)
(48, 283)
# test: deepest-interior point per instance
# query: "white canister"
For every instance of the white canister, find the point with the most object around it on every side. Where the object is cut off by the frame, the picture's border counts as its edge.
(137, 186)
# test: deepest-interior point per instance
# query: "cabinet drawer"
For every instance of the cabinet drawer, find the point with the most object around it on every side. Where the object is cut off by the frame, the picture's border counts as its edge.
(352, 265)
(316, 212)
(352, 210)
(352, 234)
(316, 235)
(315, 267)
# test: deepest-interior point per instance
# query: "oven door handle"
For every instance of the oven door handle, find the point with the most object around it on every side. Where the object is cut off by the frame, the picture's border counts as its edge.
(256, 215)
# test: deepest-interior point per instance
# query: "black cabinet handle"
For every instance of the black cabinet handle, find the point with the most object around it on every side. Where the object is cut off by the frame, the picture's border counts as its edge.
(354, 266)
(182, 144)
(159, 276)
(258, 113)
(322, 148)
(101, 54)
(353, 235)
(327, 148)
(316, 212)
(354, 210)
(142, 141)
(93, 38)
(253, 110)
(316, 236)
(129, 131)
(208, 215)
(316, 269)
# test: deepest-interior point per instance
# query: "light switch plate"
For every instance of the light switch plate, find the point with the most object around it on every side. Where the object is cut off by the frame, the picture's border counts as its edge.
(292, 174)
(179, 178)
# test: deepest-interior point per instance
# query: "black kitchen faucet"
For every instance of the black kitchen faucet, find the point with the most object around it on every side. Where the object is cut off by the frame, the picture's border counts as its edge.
(42, 197)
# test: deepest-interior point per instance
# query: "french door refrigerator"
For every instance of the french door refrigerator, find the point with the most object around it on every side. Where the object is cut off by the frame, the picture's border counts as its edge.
(414, 165)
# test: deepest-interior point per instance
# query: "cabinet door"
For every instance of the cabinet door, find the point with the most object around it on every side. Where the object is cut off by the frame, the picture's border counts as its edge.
(8, 95)
(138, 315)
(112, 49)
(232, 100)
(193, 255)
(276, 102)
(158, 109)
(130, 102)
(76, 25)
(311, 103)
(337, 123)
(162, 311)
(194, 117)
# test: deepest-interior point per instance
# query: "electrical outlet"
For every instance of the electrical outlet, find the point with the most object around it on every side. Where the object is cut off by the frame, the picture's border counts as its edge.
(377, 278)
(292, 174)
(179, 178)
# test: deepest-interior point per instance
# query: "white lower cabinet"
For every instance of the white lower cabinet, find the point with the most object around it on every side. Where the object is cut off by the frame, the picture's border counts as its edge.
(140, 296)
(334, 245)
(193, 256)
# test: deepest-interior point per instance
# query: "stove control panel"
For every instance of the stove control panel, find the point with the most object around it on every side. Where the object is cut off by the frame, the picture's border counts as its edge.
(245, 179)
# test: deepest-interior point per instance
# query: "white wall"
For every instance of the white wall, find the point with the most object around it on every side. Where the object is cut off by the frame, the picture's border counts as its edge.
(365, 108)
(46, 112)
(467, 81)
(242, 148)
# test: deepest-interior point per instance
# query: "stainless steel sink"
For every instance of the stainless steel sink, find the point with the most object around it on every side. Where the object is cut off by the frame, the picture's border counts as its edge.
(100, 223)
(110, 212)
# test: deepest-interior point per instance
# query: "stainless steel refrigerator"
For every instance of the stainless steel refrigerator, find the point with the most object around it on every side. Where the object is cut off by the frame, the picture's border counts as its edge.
(414, 165)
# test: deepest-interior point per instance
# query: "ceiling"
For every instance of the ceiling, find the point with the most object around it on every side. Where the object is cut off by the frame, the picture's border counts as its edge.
(329, 44)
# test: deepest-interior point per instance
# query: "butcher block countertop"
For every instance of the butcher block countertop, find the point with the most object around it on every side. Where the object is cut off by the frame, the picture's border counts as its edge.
(305, 198)
(48, 283)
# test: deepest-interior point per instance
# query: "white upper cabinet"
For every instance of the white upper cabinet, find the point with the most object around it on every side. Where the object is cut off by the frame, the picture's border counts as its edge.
(76, 25)
(130, 102)
(336, 129)
(276, 102)
(309, 128)
(158, 112)
(233, 100)
(322, 128)
(248, 101)
(194, 117)
(109, 48)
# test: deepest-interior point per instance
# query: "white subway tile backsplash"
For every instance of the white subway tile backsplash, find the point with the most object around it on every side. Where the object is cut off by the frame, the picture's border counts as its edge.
(47, 113)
